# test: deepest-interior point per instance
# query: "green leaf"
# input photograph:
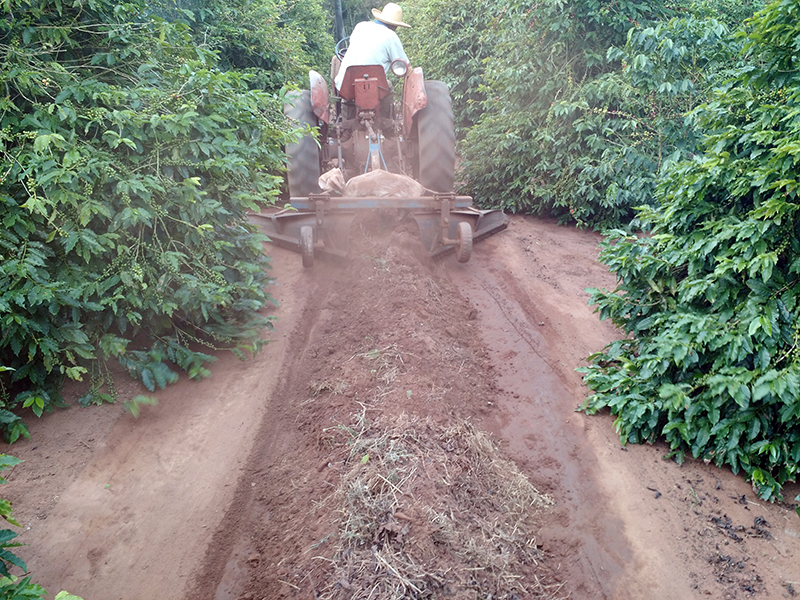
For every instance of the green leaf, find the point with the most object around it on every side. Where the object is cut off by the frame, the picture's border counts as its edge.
(9, 557)
(7, 461)
(148, 379)
(14, 431)
(5, 508)
(6, 535)
(44, 141)
(133, 405)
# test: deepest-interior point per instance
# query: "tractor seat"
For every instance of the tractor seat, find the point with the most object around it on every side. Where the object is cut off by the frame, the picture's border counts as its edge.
(366, 85)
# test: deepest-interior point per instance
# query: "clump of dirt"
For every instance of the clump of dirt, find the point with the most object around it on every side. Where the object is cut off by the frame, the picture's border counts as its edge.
(760, 528)
(736, 575)
(727, 527)
(430, 510)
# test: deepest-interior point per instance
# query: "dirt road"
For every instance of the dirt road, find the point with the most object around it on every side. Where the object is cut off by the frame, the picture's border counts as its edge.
(228, 488)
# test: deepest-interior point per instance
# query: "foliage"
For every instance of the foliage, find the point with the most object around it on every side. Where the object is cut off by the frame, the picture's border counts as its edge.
(551, 115)
(586, 105)
(353, 12)
(711, 300)
(129, 160)
(134, 404)
(274, 42)
(12, 588)
(8, 559)
(451, 41)
(732, 13)
(573, 107)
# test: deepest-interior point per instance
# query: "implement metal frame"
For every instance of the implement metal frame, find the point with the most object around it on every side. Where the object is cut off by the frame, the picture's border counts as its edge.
(331, 216)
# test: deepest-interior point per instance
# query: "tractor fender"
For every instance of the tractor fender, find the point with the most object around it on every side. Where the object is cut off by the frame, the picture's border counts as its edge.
(319, 95)
(414, 97)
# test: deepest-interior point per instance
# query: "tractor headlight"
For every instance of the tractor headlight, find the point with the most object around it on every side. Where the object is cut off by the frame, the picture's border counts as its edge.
(399, 67)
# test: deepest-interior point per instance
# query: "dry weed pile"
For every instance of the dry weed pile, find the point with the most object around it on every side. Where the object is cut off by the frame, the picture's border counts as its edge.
(431, 512)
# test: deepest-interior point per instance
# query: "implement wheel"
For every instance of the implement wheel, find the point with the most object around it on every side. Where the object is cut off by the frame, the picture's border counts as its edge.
(307, 245)
(437, 141)
(463, 242)
(304, 170)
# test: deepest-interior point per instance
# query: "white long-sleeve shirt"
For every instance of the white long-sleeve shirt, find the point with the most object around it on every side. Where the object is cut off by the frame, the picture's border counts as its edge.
(371, 43)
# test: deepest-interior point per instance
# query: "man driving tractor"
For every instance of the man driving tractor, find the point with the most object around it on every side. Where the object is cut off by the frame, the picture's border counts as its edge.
(375, 42)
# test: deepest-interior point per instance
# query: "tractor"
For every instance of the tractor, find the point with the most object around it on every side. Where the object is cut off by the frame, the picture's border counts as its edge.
(370, 139)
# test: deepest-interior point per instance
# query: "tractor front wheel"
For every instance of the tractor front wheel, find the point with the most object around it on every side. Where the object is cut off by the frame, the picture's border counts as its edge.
(304, 168)
(436, 159)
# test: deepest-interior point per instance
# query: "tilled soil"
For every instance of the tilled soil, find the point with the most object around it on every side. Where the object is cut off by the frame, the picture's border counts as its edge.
(328, 465)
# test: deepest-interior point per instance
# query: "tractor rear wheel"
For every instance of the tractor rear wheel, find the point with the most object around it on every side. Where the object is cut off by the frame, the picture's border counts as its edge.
(304, 169)
(437, 140)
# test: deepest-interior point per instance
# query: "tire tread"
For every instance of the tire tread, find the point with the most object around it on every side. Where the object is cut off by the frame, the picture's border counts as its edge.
(437, 141)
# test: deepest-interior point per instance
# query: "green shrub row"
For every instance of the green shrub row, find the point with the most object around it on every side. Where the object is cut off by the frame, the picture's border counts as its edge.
(572, 108)
(711, 300)
(130, 158)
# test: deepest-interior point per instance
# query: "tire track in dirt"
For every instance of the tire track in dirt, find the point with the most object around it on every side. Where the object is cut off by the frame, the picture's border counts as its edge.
(537, 423)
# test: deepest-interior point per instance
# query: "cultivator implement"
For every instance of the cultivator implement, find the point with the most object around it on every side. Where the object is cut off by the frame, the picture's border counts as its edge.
(320, 224)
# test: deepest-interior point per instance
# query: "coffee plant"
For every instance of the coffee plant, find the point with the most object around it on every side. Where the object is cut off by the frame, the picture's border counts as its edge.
(451, 41)
(273, 42)
(710, 301)
(586, 104)
(129, 159)
(572, 108)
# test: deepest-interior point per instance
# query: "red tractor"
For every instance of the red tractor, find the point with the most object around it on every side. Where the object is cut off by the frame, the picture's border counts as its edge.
(362, 129)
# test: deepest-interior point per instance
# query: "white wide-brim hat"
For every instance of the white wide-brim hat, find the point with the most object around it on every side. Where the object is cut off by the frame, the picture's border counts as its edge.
(391, 15)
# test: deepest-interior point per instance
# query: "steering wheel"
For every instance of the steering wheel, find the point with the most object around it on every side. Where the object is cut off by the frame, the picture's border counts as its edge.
(341, 47)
